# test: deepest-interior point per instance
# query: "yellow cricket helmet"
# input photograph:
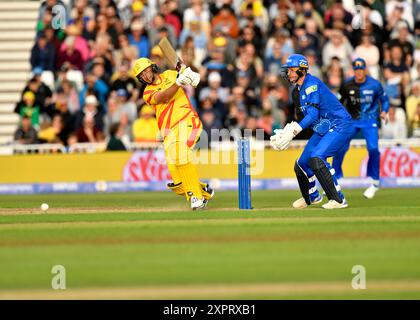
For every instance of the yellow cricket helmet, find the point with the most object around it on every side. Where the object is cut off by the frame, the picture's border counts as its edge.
(141, 64)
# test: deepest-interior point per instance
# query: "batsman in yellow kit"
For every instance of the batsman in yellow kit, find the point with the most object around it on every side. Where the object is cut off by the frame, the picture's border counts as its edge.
(178, 124)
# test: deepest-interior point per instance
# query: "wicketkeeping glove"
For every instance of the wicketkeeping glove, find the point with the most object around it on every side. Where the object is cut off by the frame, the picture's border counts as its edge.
(274, 138)
(289, 132)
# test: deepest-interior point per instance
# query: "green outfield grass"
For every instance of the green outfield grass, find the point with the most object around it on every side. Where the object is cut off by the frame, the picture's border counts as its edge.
(150, 246)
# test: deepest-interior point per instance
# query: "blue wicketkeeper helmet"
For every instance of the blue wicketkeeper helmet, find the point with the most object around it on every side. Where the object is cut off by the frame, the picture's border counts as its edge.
(296, 61)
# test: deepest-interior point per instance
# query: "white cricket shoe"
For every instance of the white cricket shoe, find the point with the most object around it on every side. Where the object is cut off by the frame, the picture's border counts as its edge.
(370, 192)
(301, 203)
(332, 204)
(197, 204)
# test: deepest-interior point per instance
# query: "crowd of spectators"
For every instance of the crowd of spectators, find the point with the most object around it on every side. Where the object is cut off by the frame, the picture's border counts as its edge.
(82, 89)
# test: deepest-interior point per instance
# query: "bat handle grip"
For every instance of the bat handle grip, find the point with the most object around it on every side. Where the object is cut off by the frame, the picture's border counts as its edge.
(180, 65)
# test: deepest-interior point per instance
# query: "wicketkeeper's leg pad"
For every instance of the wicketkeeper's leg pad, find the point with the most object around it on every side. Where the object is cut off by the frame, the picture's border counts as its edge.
(325, 178)
(303, 182)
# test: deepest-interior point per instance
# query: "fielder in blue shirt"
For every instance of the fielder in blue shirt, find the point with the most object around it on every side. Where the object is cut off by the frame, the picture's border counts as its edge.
(366, 101)
(319, 109)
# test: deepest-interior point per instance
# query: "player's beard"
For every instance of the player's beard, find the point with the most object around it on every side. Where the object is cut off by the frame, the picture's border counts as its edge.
(298, 77)
(149, 82)
(294, 81)
(153, 78)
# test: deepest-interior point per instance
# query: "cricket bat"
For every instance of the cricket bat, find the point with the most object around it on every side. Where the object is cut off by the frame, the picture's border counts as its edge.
(169, 52)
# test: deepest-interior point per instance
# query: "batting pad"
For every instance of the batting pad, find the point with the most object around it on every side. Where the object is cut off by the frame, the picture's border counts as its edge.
(173, 170)
(206, 195)
(177, 153)
(179, 190)
(190, 180)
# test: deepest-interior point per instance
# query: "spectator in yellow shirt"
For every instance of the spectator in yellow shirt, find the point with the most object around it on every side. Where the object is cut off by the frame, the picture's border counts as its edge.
(412, 101)
(51, 133)
(145, 128)
(415, 123)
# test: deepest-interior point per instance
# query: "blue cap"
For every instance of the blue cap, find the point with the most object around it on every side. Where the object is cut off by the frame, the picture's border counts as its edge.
(37, 71)
(359, 63)
(296, 61)
(121, 93)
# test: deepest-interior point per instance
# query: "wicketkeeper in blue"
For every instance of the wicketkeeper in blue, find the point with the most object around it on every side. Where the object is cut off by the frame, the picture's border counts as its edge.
(361, 95)
(319, 109)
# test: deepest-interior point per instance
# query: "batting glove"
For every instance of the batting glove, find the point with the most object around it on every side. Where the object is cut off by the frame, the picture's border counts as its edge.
(194, 76)
(187, 76)
(195, 79)
(183, 79)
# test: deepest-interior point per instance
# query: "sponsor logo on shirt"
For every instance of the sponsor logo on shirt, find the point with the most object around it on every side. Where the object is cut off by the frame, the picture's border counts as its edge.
(311, 89)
